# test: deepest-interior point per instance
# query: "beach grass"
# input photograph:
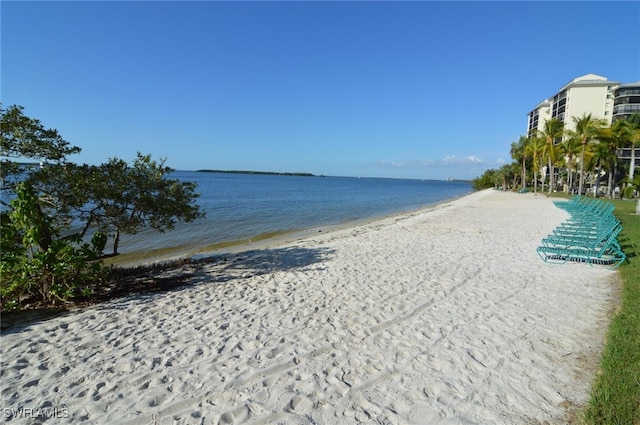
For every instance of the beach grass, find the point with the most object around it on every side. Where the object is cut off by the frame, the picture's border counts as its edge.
(615, 395)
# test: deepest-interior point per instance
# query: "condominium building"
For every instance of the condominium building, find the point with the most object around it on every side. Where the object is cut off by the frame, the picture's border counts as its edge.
(589, 94)
(540, 115)
(626, 101)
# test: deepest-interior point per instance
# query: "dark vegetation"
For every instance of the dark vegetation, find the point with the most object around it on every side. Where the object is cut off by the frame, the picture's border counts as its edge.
(57, 219)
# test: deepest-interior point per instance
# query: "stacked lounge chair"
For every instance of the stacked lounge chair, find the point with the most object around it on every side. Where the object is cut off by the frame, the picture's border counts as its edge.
(589, 235)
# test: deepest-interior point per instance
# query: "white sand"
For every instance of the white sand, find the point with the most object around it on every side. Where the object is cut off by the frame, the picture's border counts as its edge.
(444, 316)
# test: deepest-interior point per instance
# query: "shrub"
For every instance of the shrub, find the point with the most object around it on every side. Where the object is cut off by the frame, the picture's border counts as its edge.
(39, 265)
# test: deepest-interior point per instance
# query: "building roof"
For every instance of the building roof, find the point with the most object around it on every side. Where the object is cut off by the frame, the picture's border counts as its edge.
(588, 80)
(627, 85)
(544, 103)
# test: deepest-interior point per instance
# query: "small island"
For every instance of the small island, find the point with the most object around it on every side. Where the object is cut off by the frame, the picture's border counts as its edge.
(269, 173)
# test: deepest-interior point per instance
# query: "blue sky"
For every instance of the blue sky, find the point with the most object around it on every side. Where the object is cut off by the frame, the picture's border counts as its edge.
(418, 89)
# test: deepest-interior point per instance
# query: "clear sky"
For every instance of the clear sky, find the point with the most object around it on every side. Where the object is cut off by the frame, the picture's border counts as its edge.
(418, 89)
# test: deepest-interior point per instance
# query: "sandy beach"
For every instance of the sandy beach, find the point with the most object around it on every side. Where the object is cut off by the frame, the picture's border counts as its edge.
(441, 316)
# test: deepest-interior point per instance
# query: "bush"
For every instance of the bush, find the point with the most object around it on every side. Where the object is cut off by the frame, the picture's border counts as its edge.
(39, 265)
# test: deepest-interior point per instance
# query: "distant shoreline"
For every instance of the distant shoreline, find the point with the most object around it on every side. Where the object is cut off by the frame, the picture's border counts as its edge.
(275, 173)
(269, 173)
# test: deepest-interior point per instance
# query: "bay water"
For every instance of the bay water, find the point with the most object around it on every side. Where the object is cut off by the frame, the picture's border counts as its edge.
(242, 207)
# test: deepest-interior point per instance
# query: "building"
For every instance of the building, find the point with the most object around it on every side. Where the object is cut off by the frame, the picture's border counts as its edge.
(537, 117)
(626, 101)
(589, 94)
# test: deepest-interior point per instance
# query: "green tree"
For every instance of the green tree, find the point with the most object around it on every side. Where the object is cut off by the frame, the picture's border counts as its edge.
(485, 181)
(117, 198)
(23, 138)
(618, 135)
(633, 188)
(49, 271)
(26, 139)
(553, 130)
(500, 178)
(586, 129)
(634, 122)
(534, 149)
(597, 162)
(520, 154)
(570, 148)
(51, 212)
(513, 173)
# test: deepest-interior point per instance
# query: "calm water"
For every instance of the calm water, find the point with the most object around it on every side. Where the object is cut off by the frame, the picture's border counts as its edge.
(242, 206)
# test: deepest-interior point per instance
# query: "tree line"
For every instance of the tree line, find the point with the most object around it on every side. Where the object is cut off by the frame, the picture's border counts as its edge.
(57, 219)
(578, 157)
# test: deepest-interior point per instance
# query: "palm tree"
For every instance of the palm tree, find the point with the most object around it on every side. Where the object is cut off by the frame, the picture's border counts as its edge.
(634, 121)
(500, 178)
(519, 153)
(598, 160)
(633, 185)
(514, 171)
(586, 130)
(570, 148)
(506, 176)
(534, 150)
(550, 155)
(553, 129)
(618, 135)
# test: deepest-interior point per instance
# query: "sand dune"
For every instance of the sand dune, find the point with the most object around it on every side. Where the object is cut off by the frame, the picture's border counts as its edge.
(443, 316)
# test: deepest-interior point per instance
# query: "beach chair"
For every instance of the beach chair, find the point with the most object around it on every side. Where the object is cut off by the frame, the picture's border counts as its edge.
(589, 235)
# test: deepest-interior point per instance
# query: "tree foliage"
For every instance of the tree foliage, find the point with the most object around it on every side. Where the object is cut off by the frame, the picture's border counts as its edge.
(37, 261)
(520, 154)
(23, 138)
(117, 198)
(612, 138)
(534, 149)
(553, 129)
(486, 180)
(57, 219)
(586, 130)
(592, 144)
